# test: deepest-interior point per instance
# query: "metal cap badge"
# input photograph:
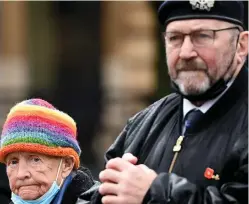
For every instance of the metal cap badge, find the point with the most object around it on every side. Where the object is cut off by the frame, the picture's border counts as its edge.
(202, 4)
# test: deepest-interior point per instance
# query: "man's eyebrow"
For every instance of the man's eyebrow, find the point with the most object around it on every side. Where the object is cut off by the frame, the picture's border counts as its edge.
(173, 30)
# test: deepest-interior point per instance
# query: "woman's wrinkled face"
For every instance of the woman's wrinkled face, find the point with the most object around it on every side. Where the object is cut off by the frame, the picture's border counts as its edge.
(31, 174)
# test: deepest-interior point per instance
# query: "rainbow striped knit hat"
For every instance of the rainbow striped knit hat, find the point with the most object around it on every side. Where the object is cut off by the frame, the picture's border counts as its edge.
(34, 125)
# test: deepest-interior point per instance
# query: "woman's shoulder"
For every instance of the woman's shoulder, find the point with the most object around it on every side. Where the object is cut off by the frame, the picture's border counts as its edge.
(82, 182)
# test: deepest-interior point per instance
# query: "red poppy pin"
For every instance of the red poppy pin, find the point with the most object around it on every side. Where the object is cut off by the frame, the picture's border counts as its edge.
(209, 174)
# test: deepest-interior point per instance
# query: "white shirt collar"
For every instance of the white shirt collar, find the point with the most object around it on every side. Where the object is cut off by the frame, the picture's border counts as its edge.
(188, 106)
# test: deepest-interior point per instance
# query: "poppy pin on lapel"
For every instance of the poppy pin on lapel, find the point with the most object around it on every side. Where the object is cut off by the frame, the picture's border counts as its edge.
(209, 174)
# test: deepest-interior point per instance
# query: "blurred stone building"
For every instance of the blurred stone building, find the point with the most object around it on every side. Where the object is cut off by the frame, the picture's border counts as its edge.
(94, 60)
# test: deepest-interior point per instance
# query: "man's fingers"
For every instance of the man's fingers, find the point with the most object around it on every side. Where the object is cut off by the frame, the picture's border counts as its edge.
(130, 158)
(109, 175)
(118, 164)
(144, 167)
(108, 188)
(112, 199)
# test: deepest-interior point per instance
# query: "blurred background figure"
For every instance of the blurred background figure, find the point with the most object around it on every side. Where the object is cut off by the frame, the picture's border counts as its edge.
(100, 62)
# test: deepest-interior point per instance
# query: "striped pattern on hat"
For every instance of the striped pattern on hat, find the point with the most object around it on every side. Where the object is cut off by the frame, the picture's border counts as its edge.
(34, 125)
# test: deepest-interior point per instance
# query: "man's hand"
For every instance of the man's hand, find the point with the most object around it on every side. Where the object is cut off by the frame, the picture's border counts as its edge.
(124, 182)
(130, 158)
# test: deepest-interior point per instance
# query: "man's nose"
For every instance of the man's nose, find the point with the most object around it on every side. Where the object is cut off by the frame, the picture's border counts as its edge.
(187, 49)
(23, 170)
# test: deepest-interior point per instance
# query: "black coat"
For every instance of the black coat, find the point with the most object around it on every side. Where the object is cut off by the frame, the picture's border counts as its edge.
(5, 192)
(81, 182)
(219, 142)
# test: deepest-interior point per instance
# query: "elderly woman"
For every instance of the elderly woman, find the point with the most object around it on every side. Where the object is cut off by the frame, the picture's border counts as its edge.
(41, 153)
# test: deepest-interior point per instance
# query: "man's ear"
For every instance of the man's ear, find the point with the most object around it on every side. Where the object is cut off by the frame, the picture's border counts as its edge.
(242, 51)
(67, 166)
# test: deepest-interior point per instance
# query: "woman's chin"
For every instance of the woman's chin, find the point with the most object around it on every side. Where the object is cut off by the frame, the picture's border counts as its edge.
(29, 194)
(25, 196)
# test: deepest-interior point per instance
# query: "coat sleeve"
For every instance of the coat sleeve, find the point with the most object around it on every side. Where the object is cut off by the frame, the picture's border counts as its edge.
(117, 149)
(92, 196)
(171, 188)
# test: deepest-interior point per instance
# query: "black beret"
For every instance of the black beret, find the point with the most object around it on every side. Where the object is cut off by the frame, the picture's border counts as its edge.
(230, 11)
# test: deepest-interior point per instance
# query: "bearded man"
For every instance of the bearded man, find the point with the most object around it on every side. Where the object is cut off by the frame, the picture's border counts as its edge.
(191, 146)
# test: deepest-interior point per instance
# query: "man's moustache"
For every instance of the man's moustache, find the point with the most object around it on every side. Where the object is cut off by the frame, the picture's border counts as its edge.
(190, 67)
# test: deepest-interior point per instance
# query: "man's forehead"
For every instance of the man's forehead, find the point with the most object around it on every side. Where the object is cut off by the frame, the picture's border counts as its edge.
(196, 24)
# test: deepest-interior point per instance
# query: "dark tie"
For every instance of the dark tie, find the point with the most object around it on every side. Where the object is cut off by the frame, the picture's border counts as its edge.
(191, 120)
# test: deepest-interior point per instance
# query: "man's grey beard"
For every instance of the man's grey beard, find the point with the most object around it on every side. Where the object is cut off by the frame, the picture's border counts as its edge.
(189, 88)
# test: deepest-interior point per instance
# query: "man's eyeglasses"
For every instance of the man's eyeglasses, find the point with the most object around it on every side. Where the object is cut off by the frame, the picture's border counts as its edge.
(199, 38)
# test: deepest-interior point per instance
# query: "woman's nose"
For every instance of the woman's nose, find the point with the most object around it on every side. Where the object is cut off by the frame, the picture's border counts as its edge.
(22, 170)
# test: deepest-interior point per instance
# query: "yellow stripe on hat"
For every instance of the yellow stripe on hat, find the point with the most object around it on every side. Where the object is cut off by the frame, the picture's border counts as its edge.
(42, 111)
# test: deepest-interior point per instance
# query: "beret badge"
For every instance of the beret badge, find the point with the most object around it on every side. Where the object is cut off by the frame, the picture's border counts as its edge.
(202, 4)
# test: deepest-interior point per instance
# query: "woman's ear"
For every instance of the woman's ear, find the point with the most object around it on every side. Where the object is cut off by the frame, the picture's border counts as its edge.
(242, 51)
(67, 166)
